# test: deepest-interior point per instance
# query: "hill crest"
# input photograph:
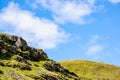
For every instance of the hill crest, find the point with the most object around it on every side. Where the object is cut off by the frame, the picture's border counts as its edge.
(18, 61)
(92, 70)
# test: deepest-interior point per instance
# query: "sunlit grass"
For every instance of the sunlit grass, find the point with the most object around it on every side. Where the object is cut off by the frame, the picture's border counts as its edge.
(93, 70)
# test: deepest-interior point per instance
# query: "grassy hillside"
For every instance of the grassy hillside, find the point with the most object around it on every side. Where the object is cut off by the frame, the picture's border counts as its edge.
(18, 61)
(92, 70)
(14, 70)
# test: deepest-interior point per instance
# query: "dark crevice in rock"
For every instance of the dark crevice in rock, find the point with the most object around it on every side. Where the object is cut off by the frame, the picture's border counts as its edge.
(1, 72)
(1, 64)
(22, 60)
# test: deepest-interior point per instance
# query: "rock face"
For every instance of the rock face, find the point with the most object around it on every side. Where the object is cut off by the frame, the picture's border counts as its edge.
(10, 45)
(14, 40)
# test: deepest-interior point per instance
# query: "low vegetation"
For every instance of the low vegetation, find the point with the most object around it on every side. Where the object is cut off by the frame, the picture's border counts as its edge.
(92, 70)
(18, 61)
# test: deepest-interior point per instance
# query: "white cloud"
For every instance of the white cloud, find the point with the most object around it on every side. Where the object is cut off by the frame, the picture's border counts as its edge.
(114, 1)
(65, 11)
(94, 49)
(42, 32)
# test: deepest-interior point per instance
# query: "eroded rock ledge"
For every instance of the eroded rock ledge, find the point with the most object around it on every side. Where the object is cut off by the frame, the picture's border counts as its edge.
(10, 45)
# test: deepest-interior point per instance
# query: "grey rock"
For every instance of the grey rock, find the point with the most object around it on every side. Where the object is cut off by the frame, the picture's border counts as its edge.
(10, 44)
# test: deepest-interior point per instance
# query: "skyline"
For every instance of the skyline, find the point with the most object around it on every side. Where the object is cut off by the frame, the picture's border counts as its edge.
(66, 29)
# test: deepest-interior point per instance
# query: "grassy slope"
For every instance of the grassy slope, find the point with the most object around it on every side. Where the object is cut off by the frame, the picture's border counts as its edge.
(15, 73)
(20, 63)
(93, 70)
(27, 63)
(24, 74)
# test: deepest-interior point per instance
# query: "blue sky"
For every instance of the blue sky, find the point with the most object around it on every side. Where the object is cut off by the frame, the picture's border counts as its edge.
(66, 29)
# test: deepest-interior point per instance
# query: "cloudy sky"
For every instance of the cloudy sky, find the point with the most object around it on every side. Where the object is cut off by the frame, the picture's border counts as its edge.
(66, 29)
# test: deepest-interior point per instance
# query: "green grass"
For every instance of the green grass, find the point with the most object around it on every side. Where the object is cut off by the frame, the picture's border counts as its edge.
(27, 63)
(30, 63)
(37, 72)
(92, 70)
(36, 69)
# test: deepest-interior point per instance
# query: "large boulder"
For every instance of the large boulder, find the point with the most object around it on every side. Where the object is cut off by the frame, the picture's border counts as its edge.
(13, 45)
(18, 42)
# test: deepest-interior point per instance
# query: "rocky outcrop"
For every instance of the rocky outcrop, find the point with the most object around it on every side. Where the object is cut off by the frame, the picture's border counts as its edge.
(56, 67)
(10, 44)
(14, 40)
(22, 62)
